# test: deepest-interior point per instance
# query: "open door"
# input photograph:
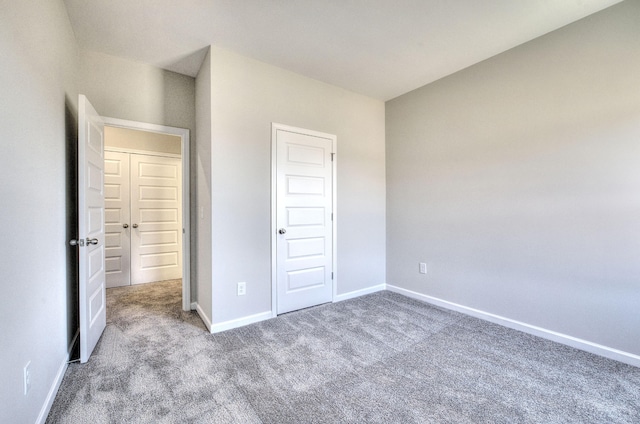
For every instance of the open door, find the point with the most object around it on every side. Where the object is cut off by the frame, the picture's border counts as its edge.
(93, 311)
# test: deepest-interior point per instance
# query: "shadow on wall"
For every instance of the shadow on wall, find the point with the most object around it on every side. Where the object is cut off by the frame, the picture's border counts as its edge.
(179, 111)
(71, 206)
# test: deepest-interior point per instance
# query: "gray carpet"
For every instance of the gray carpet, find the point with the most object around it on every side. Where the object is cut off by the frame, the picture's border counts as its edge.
(381, 358)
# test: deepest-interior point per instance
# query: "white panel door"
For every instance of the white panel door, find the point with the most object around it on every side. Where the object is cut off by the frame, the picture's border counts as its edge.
(156, 216)
(304, 220)
(117, 219)
(93, 312)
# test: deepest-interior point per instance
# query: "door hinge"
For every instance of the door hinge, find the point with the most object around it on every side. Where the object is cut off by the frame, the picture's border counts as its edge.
(332, 275)
(332, 155)
(332, 216)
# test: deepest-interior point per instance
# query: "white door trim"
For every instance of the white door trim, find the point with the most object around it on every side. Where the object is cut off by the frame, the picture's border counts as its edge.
(186, 202)
(274, 271)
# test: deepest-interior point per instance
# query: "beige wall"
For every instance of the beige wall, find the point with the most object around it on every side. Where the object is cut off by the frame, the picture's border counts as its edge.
(148, 141)
(518, 181)
(246, 97)
(38, 115)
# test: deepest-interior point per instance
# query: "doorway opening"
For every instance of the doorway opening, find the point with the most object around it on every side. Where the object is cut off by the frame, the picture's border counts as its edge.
(147, 204)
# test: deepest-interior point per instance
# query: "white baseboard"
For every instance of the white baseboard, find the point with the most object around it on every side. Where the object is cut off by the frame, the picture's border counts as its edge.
(48, 402)
(607, 352)
(53, 390)
(204, 317)
(358, 293)
(240, 322)
(251, 319)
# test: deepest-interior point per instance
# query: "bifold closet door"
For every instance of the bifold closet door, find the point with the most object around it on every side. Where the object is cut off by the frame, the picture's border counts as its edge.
(156, 218)
(117, 219)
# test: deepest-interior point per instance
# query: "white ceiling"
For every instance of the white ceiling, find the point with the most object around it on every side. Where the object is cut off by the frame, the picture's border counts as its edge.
(380, 48)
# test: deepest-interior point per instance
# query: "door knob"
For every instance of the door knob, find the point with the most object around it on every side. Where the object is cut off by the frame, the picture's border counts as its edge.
(282, 231)
(125, 225)
(92, 241)
(135, 225)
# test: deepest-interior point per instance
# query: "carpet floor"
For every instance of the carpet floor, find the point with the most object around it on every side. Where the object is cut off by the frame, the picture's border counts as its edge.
(380, 358)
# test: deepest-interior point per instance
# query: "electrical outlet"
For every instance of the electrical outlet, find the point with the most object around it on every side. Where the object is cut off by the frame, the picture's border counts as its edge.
(242, 288)
(423, 268)
(27, 377)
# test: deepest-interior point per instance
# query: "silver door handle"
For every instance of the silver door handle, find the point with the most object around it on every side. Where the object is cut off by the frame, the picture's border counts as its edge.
(125, 225)
(76, 242)
(135, 225)
(92, 241)
(282, 231)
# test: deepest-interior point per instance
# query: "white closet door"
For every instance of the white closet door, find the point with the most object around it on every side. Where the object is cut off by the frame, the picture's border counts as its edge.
(156, 218)
(303, 215)
(117, 219)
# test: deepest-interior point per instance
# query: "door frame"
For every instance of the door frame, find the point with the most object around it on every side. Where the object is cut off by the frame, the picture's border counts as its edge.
(184, 135)
(274, 228)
